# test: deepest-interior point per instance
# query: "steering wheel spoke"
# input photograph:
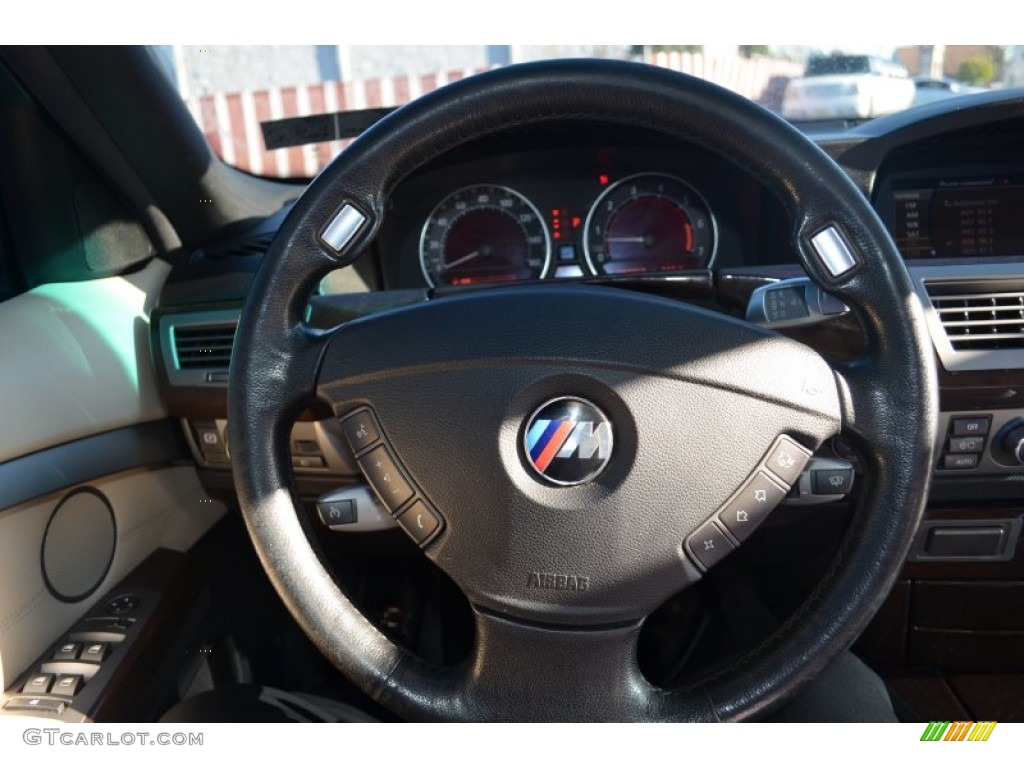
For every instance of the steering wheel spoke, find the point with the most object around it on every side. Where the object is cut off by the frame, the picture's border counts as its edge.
(527, 672)
(472, 440)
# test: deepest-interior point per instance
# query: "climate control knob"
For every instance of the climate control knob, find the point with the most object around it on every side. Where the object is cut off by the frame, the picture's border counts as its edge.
(1013, 440)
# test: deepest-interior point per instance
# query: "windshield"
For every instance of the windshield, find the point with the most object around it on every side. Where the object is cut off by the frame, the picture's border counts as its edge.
(838, 65)
(286, 111)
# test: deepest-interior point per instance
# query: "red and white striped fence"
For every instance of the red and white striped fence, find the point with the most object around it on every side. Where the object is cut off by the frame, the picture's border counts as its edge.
(231, 121)
(758, 78)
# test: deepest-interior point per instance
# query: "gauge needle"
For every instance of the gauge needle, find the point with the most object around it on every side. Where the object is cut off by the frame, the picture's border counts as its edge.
(647, 240)
(463, 260)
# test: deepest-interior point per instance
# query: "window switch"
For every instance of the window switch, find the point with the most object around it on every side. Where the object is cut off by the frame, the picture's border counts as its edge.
(40, 705)
(38, 683)
(67, 652)
(104, 624)
(67, 685)
(94, 652)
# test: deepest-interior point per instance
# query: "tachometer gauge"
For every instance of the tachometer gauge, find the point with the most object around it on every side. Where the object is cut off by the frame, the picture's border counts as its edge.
(649, 223)
(484, 234)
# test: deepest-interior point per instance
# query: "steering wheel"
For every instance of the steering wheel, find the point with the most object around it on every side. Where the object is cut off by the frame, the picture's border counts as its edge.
(572, 456)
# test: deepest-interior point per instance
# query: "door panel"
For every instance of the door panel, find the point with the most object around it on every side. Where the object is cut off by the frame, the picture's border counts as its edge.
(75, 363)
(75, 360)
(152, 508)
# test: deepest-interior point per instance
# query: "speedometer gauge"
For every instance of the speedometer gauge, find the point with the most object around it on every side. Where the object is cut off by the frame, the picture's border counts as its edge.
(484, 234)
(649, 223)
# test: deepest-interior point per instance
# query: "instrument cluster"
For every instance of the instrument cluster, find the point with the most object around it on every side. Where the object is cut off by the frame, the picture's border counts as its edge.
(646, 223)
(510, 214)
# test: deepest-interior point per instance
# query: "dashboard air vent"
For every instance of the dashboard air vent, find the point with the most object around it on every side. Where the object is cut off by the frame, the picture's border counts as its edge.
(980, 320)
(236, 249)
(203, 346)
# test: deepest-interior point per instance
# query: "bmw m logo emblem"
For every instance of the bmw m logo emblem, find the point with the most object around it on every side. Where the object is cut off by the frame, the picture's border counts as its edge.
(568, 441)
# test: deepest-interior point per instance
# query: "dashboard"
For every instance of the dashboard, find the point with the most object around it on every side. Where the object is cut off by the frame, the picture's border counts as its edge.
(624, 207)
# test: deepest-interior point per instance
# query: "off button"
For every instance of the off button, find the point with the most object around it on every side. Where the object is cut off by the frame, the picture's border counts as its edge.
(968, 426)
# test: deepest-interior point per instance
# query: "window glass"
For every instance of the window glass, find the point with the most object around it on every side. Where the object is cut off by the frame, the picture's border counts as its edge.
(239, 95)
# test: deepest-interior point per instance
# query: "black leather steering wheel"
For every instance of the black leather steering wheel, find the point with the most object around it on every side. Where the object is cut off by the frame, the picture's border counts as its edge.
(700, 409)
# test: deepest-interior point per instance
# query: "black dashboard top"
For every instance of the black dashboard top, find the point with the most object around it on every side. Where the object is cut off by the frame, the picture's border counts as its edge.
(562, 171)
(620, 206)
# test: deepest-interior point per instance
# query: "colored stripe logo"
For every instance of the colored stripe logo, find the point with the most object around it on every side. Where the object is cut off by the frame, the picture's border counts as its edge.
(546, 438)
(944, 730)
(568, 441)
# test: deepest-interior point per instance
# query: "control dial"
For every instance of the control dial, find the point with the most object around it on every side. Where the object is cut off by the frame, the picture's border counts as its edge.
(1012, 440)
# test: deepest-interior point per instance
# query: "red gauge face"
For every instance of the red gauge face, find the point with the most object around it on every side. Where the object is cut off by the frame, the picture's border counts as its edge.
(650, 223)
(649, 230)
(484, 234)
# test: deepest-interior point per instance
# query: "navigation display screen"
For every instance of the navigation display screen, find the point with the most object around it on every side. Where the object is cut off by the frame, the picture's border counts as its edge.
(954, 218)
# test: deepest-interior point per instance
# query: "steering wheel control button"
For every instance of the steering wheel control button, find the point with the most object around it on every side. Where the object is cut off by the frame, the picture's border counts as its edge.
(972, 425)
(568, 441)
(354, 508)
(791, 303)
(361, 430)
(708, 544)
(786, 460)
(824, 481)
(94, 652)
(831, 482)
(67, 685)
(386, 478)
(38, 683)
(343, 228)
(833, 251)
(420, 522)
(751, 506)
(334, 514)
